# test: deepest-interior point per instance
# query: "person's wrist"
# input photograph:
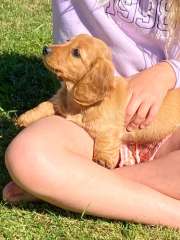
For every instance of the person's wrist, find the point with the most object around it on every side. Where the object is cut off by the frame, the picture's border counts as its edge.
(168, 74)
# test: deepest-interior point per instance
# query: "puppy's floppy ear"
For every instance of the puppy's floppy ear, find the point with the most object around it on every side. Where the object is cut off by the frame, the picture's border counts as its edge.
(96, 84)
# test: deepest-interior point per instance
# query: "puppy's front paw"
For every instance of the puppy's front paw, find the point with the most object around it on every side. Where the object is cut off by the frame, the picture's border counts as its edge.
(106, 163)
(23, 120)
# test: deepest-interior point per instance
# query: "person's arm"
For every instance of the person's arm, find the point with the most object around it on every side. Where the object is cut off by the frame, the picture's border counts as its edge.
(66, 21)
(173, 58)
(147, 90)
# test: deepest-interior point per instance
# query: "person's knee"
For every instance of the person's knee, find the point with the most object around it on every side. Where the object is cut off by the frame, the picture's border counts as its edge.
(14, 156)
(21, 159)
(30, 163)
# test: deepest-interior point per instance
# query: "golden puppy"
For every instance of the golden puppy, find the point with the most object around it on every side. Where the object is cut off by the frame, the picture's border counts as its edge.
(95, 99)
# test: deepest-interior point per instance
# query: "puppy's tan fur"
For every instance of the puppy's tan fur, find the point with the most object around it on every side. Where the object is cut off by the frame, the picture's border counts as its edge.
(95, 99)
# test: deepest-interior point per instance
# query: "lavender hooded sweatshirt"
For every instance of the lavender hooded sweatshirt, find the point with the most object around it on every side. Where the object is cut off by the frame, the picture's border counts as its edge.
(135, 30)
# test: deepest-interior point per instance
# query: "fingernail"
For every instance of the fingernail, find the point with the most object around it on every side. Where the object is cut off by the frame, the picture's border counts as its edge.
(130, 128)
(142, 126)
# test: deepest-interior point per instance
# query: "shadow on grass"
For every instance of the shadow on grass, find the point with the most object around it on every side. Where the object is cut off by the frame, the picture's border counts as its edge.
(24, 82)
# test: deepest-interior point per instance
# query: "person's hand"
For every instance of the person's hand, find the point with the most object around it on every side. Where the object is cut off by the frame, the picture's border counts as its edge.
(147, 90)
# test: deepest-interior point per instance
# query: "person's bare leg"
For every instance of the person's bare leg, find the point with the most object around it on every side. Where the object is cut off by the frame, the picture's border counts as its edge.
(151, 174)
(51, 159)
(161, 174)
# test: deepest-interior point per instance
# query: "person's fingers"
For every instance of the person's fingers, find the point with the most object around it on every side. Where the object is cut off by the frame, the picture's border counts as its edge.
(140, 115)
(151, 115)
(131, 109)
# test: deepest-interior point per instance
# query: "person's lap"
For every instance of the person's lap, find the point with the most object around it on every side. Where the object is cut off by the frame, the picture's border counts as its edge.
(52, 136)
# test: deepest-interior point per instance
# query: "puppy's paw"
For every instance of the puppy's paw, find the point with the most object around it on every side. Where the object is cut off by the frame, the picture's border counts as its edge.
(106, 163)
(23, 120)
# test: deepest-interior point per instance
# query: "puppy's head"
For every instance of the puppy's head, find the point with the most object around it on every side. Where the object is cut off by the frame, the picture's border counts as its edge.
(85, 65)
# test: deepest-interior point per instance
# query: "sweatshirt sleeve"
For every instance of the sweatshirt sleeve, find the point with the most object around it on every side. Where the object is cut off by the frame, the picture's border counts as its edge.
(173, 58)
(66, 21)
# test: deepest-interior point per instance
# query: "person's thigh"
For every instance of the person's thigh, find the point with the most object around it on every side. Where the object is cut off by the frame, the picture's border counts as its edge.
(55, 134)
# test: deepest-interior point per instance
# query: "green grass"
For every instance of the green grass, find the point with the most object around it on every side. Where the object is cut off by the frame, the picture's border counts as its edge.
(24, 82)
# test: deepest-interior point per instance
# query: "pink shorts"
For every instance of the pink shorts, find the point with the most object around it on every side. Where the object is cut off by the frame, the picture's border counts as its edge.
(134, 153)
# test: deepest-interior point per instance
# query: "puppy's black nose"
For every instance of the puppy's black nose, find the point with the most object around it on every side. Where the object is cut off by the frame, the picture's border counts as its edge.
(46, 50)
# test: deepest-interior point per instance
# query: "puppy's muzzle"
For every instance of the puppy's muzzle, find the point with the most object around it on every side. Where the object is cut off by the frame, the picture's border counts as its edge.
(46, 50)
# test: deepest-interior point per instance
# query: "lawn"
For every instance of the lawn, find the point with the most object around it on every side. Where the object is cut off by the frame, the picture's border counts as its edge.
(25, 29)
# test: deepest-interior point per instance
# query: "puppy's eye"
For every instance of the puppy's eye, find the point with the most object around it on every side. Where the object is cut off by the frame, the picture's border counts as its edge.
(76, 53)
